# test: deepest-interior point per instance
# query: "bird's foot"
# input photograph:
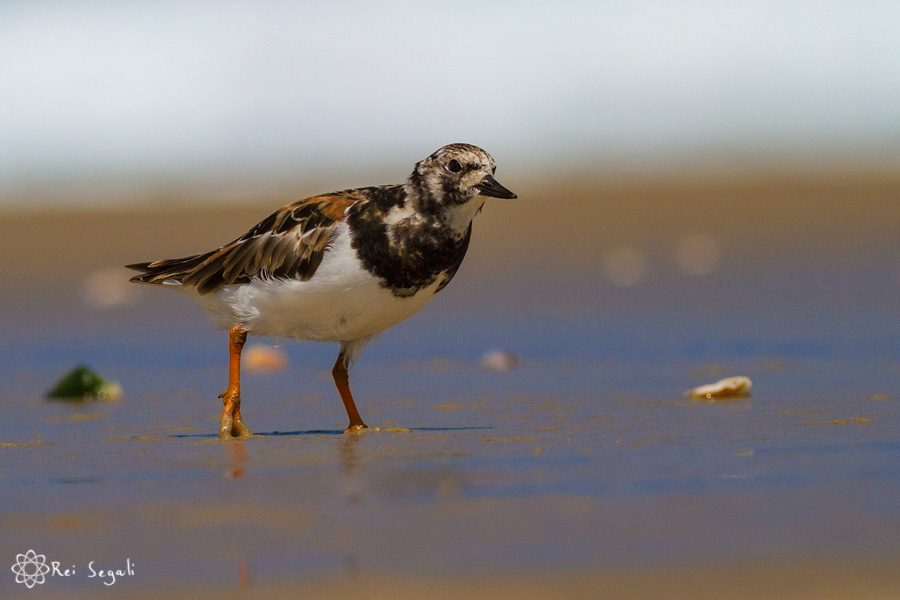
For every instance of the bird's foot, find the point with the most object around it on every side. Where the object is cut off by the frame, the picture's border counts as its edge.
(233, 429)
(231, 425)
(356, 428)
(239, 430)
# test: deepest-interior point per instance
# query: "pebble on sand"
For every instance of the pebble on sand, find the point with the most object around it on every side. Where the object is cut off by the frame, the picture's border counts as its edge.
(263, 359)
(730, 387)
(498, 361)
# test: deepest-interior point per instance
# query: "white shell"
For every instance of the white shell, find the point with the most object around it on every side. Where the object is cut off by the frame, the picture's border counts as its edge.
(730, 387)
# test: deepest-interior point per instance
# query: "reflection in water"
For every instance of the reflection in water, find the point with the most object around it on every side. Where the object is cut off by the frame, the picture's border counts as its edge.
(349, 454)
(350, 463)
(237, 459)
(244, 579)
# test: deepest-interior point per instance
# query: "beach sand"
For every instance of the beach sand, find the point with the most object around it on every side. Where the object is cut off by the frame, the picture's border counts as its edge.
(580, 472)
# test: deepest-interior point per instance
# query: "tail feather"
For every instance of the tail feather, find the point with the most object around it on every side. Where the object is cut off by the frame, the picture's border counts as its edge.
(160, 272)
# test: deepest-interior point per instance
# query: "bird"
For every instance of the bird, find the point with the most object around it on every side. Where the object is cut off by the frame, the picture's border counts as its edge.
(339, 267)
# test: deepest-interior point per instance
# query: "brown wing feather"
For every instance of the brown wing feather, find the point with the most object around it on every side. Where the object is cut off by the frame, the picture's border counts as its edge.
(289, 243)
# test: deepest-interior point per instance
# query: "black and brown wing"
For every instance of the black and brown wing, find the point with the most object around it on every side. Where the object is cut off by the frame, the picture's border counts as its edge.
(289, 243)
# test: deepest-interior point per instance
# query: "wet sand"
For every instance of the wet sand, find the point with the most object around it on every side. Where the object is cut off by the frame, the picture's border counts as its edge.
(738, 582)
(581, 472)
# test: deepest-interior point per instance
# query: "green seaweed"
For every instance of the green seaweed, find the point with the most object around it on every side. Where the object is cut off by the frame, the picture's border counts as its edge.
(81, 383)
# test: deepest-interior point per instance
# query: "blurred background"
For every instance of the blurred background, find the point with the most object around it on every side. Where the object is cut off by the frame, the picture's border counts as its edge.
(705, 189)
(664, 153)
(104, 102)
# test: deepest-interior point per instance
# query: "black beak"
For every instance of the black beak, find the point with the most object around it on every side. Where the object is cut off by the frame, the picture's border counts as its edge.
(490, 187)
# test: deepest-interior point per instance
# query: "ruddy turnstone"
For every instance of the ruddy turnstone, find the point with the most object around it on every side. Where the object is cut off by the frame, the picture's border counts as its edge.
(341, 267)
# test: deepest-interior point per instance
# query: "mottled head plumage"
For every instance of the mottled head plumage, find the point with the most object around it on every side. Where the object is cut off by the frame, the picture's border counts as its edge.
(456, 173)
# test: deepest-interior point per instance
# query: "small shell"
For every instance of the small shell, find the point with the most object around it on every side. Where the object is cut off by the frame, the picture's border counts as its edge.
(730, 387)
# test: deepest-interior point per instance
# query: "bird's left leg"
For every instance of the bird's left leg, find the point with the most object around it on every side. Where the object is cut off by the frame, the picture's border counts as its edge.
(232, 425)
(342, 382)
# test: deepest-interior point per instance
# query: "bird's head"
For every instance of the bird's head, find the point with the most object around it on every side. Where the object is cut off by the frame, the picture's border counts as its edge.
(456, 174)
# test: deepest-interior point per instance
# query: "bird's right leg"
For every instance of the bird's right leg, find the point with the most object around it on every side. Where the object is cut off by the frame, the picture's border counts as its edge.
(232, 425)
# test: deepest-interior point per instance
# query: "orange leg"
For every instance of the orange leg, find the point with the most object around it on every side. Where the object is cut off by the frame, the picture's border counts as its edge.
(342, 381)
(232, 425)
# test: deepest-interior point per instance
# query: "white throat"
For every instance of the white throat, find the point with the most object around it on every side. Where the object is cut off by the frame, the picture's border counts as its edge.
(459, 217)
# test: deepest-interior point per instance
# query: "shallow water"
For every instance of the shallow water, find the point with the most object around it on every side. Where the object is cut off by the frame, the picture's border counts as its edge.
(585, 458)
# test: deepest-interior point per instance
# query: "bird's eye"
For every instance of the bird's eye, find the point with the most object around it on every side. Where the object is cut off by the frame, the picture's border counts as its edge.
(453, 166)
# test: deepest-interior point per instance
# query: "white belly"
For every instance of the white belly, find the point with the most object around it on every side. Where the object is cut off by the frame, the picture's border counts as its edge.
(341, 302)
